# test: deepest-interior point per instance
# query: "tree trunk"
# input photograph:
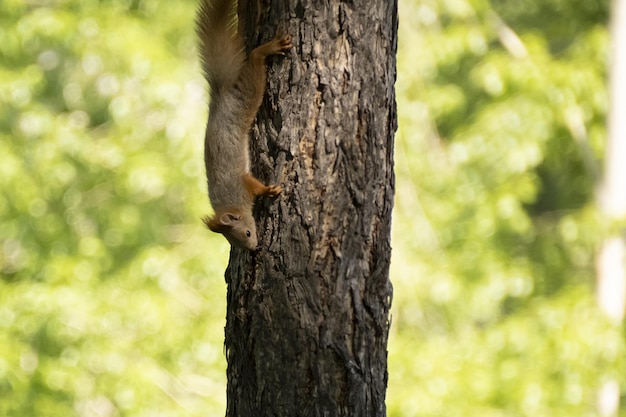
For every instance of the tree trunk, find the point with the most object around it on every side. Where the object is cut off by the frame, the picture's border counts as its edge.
(308, 314)
(611, 267)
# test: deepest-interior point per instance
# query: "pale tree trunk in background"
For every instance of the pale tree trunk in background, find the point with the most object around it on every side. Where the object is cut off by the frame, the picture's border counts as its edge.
(308, 315)
(611, 264)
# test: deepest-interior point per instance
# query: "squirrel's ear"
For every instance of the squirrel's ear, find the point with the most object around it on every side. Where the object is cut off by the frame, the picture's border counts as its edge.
(212, 223)
(227, 219)
(219, 224)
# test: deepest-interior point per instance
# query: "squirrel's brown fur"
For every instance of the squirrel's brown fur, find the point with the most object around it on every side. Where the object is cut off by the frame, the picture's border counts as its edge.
(237, 85)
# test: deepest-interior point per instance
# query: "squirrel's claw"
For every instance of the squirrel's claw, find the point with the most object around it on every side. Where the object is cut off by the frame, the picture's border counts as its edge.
(272, 190)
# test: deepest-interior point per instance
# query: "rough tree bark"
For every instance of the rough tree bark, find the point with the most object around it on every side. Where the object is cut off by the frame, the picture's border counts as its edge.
(308, 315)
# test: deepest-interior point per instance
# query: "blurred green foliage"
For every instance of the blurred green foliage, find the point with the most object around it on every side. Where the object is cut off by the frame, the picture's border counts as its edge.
(501, 108)
(110, 304)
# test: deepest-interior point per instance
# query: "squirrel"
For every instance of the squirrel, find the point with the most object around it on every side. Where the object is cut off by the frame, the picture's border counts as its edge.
(236, 89)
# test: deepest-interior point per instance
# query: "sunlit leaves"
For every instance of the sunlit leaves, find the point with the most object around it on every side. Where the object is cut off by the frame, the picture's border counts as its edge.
(501, 129)
(107, 305)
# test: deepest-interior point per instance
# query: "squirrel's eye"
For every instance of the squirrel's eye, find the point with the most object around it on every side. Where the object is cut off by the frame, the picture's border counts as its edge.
(248, 233)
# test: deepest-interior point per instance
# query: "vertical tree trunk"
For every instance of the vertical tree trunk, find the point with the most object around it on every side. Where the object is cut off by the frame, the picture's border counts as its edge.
(611, 263)
(307, 315)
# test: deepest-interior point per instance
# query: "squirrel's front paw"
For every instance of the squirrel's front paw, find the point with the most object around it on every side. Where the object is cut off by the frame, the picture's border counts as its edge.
(272, 190)
(281, 43)
(285, 42)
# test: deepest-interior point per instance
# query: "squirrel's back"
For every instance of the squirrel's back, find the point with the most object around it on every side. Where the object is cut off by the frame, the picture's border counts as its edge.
(226, 143)
(221, 47)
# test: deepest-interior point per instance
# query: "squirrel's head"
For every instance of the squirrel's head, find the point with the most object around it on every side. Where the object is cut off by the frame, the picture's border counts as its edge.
(238, 228)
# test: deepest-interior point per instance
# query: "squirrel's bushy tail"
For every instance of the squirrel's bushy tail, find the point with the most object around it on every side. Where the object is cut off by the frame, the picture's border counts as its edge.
(221, 47)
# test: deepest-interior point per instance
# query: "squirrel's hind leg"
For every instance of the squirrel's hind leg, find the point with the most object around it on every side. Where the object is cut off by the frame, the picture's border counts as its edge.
(253, 75)
(277, 46)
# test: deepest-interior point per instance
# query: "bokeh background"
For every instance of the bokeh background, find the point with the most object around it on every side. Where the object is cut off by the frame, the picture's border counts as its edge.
(112, 296)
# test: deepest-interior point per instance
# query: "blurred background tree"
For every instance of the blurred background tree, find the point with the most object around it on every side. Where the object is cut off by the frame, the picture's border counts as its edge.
(502, 127)
(108, 309)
